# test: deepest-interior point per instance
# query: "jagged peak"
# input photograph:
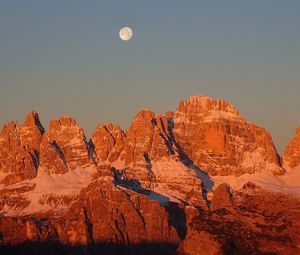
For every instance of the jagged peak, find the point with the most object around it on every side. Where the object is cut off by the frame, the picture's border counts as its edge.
(291, 156)
(101, 126)
(109, 126)
(215, 108)
(145, 114)
(169, 114)
(200, 97)
(32, 119)
(67, 120)
(206, 101)
(63, 121)
(9, 126)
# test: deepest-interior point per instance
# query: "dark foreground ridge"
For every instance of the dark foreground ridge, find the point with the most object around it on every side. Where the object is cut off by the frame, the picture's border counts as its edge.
(36, 248)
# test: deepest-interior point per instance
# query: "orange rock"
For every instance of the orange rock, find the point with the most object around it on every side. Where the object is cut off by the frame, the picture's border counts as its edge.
(108, 142)
(64, 147)
(149, 155)
(262, 222)
(52, 159)
(291, 155)
(103, 214)
(199, 243)
(149, 133)
(217, 138)
(223, 198)
(19, 149)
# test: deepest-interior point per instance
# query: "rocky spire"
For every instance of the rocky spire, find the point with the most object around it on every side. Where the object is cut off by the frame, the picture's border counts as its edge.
(291, 157)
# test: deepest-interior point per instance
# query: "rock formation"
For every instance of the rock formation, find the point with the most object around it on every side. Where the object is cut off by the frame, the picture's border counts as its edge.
(220, 141)
(42, 159)
(148, 153)
(109, 142)
(263, 223)
(291, 155)
(144, 190)
(64, 147)
(104, 215)
(222, 198)
(19, 149)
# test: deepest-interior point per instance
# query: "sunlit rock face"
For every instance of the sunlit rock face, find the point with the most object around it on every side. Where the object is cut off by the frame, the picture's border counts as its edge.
(148, 140)
(148, 137)
(118, 215)
(64, 147)
(149, 134)
(19, 149)
(217, 138)
(148, 154)
(49, 169)
(108, 143)
(150, 187)
(103, 213)
(223, 198)
(291, 155)
(262, 222)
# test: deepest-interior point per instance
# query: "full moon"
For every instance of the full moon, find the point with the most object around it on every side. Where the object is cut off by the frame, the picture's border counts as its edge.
(125, 33)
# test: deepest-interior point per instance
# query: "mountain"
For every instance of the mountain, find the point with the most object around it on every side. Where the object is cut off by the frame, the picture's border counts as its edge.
(251, 221)
(218, 139)
(291, 156)
(152, 188)
(148, 154)
(19, 149)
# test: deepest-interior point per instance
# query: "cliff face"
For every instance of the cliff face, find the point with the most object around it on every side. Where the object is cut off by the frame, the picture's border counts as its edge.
(260, 223)
(147, 154)
(147, 188)
(19, 149)
(64, 147)
(43, 171)
(220, 141)
(117, 215)
(291, 156)
(109, 143)
(104, 213)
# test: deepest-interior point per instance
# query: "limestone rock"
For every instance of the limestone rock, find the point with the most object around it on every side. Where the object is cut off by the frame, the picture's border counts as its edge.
(262, 223)
(64, 147)
(149, 136)
(120, 216)
(199, 243)
(223, 198)
(19, 149)
(220, 141)
(104, 214)
(291, 155)
(147, 153)
(108, 142)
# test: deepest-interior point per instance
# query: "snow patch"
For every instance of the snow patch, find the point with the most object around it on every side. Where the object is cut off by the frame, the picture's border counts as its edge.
(288, 183)
(58, 187)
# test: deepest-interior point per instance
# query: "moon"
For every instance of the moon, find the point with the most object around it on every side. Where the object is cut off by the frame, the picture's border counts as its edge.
(125, 33)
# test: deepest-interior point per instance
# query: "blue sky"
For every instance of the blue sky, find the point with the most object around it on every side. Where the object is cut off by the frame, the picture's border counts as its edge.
(65, 57)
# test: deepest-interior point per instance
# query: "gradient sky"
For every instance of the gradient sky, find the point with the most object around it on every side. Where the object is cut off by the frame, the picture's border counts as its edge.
(65, 57)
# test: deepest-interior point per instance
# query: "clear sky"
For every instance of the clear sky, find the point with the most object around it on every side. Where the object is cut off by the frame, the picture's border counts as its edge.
(64, 57)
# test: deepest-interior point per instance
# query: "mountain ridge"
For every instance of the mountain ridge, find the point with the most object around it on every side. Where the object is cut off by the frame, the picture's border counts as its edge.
(171, 166)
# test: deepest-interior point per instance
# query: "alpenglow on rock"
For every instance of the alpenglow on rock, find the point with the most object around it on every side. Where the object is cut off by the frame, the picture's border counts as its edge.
(19, 149)
(291, 155)
(150, 189)
(220, 141)
(147, 153)
(64, 147)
